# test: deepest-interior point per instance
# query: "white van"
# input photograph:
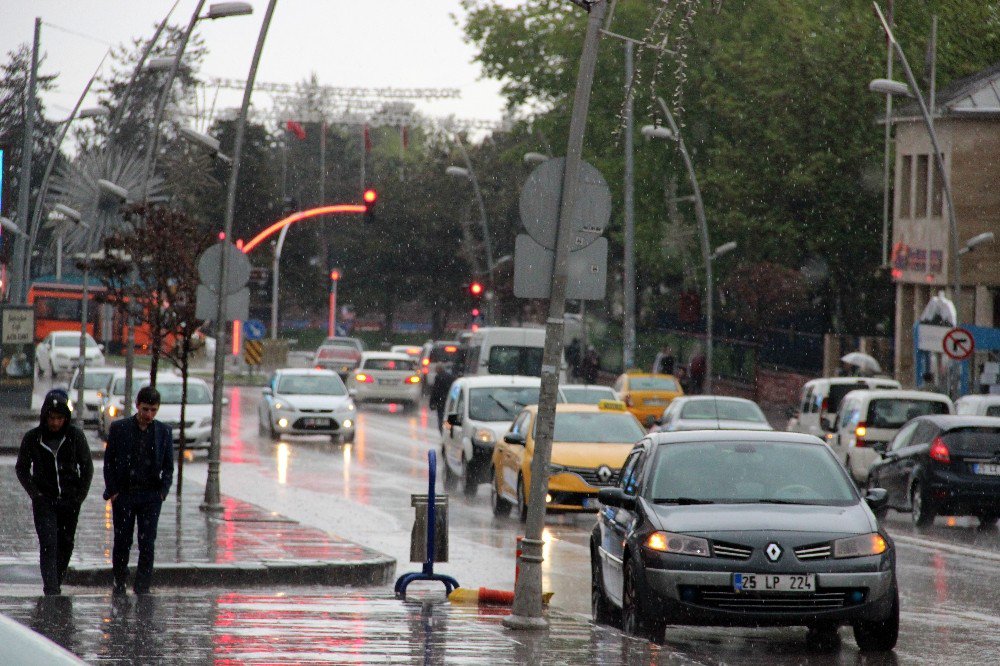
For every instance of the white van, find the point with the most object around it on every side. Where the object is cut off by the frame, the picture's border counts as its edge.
(978, 405)
(820, 399)
(868, 420)
(507, 351)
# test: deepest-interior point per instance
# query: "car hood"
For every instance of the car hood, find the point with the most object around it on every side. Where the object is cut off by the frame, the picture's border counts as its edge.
(590, 455)
(315, 401)
(723, 424)
(694, 519)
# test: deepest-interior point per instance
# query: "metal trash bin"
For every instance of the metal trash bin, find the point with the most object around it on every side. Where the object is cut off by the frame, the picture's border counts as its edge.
(418, 535)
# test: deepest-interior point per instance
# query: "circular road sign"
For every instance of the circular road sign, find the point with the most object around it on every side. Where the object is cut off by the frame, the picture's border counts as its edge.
(539, 204)
(958, 344)
(237, 265)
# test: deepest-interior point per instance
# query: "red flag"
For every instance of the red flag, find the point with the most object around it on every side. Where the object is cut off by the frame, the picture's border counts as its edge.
(406, 137)
(368, 140)
(296, 129)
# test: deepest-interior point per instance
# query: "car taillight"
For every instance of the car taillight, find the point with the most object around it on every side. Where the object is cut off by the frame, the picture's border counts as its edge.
(425, 362)
(319, 367)
(425, 370)
(859, 434)
(413, 379)
(939, 451)
(364, 379)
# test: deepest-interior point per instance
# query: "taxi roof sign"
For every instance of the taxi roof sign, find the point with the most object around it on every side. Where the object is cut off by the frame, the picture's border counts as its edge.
(611, 405)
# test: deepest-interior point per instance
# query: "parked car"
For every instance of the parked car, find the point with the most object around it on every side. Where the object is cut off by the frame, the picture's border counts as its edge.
(867, 420)
(434, 354)
(59, 352)
(647, 394)
(341, 355)
(95, 380)
(978, 405)
(385, 377)
(820, 398)
(589, 445)
(747, 529)
(943, 465)
(300, 401)
(707, 412)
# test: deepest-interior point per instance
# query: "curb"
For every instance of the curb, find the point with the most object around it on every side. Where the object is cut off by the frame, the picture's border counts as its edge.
(376, 571)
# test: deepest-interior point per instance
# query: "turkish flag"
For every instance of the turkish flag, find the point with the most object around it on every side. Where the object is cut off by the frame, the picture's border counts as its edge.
(296, 129)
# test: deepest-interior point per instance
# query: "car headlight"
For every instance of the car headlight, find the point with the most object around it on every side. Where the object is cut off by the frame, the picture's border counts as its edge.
(862, 545)
(112, 411)
(484, 436)
(677, 544)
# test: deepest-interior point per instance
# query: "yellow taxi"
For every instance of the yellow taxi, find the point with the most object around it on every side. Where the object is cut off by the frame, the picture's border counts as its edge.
(646, 394)
(589, 446)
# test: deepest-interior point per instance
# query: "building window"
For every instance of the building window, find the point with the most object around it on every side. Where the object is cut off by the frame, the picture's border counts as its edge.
(923, 176)
(905, 186)
(937, 192)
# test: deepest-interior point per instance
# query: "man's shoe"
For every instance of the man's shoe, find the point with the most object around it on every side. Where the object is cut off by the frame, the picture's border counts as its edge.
(118, 589)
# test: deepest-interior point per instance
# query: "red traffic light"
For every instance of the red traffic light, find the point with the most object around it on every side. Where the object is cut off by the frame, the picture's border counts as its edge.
(370, 196)
(475, 312)
(476, 289)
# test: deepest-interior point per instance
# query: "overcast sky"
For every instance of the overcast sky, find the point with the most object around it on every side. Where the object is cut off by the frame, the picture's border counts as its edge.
(372, 43)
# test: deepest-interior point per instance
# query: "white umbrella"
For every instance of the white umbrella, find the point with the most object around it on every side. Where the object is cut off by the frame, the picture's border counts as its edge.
(862, 361)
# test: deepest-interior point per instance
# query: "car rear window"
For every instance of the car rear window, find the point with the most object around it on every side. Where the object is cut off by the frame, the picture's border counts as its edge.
(973, 440)
(447, 353)
(725, 410)
(652, 384)
(338, 351)
(837, 393)
(390, 364)
(514, 360)
(894, 412)
(748, 473)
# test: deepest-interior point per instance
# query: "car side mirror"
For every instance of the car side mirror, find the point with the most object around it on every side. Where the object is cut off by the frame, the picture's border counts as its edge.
(514, 438)
(876, 498)
(266, 391)
(616, 497)
(454, 419)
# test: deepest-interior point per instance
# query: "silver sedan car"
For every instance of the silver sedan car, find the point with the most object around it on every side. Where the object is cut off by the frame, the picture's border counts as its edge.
(707, 412)
(300, 401)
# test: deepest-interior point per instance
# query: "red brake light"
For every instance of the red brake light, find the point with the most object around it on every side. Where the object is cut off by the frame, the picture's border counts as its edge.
(824, 405)
(413, 379)
(859, 434)
(364, 379)
(425, 362)
(939, 451)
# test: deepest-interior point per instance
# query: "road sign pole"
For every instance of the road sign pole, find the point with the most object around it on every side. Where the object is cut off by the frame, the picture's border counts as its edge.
(527, 609)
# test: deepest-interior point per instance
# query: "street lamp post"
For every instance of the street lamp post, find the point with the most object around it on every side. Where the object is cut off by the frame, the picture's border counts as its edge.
(885, 86)
(212, 490)
(468, 173)
(673, 133)
(16, 279)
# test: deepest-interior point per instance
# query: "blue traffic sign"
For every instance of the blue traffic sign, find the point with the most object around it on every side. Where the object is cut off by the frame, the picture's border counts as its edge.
(254, 329)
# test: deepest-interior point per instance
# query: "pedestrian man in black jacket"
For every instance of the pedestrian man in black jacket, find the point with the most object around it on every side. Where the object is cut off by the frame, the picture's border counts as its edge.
(55, 468)
(439, 391)
(138, 471)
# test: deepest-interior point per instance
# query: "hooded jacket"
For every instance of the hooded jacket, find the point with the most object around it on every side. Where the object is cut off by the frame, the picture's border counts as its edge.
(61, 474)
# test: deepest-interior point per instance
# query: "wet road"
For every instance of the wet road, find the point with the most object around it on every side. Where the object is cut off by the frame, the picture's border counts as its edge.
(361, 491)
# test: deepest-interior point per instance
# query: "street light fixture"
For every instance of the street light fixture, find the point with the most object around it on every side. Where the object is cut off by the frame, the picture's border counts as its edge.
(8, 225)
(60, 215)
(209, 143)
(224, 9)
(162, 64)
(535, 158)
(468, 173)
(457, 172)
(657, 132)
(890, 87)
(725, 248)
(976, 241)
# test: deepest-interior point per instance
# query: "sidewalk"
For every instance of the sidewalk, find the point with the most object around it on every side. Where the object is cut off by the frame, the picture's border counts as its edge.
(244, 545)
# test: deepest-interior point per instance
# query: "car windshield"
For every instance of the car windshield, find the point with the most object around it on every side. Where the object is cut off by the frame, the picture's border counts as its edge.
(93, 380)
(311, 385)
(72, 341)
(652, 384)
(748, 473)
(587, 396)
(722, 410)
(500, 403)
(597, 427)
(197, 394)
(894, 412)
(399, 365)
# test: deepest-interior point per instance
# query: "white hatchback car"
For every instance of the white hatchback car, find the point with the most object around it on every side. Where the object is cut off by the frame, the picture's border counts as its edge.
(95, 380)
(60, 352)
(386, 377)
(300, 401)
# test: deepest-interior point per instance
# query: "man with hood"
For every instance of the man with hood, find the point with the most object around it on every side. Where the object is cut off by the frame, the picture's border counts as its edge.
(55, 468)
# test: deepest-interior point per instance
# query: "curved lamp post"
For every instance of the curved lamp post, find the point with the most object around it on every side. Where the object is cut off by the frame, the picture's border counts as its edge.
(469, 174)
(673, 133)
(889, 87)
(976, 241)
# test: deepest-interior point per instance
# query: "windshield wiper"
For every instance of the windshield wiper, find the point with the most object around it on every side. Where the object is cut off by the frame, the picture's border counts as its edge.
(783, 501)
(681, 500)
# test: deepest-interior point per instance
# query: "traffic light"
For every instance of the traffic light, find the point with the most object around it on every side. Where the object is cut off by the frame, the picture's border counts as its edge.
(476, 296)
(370, 198)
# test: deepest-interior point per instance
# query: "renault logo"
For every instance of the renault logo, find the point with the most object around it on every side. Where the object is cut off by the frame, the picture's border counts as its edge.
(604, 473)
(773, 551)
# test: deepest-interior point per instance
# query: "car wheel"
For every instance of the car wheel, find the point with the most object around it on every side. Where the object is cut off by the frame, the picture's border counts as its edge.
(501, 507)
(272, 432)
(450, 478)
(634, 620)
(923, 510)
(470, 485)
(348, 438)
(522, 500)
(601, 607)
(879, 635)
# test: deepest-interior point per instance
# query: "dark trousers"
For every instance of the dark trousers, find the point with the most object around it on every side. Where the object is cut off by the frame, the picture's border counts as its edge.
(55, 524)
(127, 511)
(440, 413)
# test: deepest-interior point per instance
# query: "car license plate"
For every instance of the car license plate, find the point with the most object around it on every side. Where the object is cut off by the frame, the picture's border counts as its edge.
(590, 503)
(749, 582)
(989, 469)
(315, 423)
(388, 382)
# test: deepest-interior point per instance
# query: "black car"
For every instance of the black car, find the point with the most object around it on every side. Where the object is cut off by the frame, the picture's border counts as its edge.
(741, 528)
(946, 465)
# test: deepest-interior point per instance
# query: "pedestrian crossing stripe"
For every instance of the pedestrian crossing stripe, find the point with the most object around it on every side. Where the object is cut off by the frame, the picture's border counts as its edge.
(253, 351)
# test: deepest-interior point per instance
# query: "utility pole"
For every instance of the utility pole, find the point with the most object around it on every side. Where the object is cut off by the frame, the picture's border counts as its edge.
(16, 288)
(628, 281)
(527, 609)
